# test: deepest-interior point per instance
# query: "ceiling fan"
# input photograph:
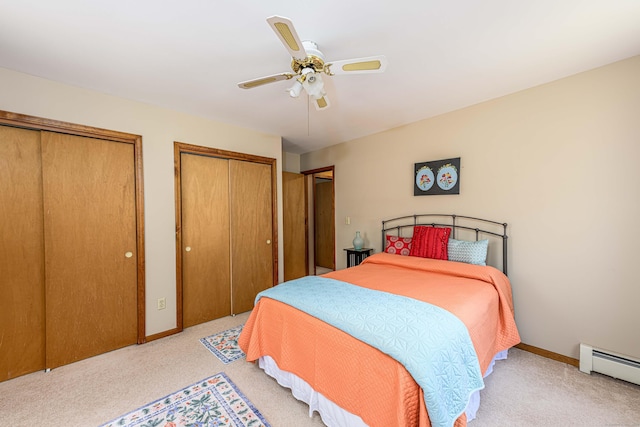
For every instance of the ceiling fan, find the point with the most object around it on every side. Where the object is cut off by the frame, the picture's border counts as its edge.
(308, 64)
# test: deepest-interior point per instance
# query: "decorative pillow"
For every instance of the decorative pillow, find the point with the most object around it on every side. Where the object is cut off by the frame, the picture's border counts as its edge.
(398, 245)
(469, 252)
(430, 242)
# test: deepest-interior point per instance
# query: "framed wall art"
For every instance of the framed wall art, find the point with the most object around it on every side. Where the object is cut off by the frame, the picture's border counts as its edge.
(437, 177)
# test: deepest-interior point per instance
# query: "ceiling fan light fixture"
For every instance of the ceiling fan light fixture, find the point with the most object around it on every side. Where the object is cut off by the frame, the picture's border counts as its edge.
(314, 85)
(294, 91)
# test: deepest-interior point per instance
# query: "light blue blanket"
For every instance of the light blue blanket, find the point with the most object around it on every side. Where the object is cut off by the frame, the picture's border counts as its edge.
(432, 344)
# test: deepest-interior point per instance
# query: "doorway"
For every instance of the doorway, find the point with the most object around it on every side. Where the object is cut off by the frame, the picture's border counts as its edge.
(320, 184)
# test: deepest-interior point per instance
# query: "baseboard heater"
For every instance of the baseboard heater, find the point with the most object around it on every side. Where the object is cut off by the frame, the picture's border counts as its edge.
(608, 363)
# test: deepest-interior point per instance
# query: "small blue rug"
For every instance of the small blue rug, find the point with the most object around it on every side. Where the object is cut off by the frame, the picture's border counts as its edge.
(224, 345)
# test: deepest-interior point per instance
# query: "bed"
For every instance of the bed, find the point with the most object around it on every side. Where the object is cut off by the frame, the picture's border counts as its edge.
(403, 339)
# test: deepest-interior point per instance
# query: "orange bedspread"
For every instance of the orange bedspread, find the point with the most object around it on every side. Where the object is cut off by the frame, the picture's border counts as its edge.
(360, 378)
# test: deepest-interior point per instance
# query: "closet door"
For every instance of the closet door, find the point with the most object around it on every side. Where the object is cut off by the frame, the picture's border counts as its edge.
(325, 225)
(22, 342)
(251, 232)
(294, 222)
(90, 247)
(206, 293)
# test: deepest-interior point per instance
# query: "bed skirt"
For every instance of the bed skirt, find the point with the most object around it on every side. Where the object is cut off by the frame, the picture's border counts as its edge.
(332, 414)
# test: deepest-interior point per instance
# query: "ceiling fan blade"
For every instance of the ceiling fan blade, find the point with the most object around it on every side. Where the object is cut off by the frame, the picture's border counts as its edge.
(371, 64)
(283, 27)
(249, 84)
(321, 103)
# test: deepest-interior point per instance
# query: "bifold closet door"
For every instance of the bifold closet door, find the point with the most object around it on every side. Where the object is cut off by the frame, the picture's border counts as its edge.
(90, 246)
(251, 232)
(22, 328)
(206, 289)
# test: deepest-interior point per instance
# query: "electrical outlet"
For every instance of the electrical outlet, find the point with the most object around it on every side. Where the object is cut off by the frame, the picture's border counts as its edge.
(347, 220)
(162, 303)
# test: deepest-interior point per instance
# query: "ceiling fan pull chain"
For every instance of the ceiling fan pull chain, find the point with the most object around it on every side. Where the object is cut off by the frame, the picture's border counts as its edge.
(308, 120)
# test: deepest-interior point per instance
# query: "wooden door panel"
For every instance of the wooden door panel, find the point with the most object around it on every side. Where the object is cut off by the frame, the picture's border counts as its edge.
(294, 222)
(325, 225)
(90, 246)
(251, 232)
(206, 293)
(22, 329)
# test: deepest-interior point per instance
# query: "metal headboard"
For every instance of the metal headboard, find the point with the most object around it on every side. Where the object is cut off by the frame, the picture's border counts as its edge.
(456, 222)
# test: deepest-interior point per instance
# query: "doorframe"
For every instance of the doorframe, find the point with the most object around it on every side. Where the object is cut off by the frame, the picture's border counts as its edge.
(42, 124)
(182, 147)
(312, 173)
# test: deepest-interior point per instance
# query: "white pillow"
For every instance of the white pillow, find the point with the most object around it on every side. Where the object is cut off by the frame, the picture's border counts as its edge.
(469, 252)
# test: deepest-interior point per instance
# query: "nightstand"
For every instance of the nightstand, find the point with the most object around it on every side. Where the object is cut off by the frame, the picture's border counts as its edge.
(355, 256)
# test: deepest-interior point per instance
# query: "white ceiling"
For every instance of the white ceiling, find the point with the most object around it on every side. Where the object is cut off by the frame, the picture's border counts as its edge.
(189, 55)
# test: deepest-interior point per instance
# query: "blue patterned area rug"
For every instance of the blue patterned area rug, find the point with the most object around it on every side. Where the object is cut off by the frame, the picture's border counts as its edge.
(215, 401)
(224, 345)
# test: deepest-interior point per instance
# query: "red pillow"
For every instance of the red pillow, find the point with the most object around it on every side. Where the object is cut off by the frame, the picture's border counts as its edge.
(398, 245)
(430, 242)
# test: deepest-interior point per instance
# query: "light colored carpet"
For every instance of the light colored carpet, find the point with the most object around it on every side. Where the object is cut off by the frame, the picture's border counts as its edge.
(525, 390)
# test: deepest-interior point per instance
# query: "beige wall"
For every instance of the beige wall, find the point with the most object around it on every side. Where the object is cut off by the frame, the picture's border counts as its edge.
(290, 162)
(21, 93)
(560, 164)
